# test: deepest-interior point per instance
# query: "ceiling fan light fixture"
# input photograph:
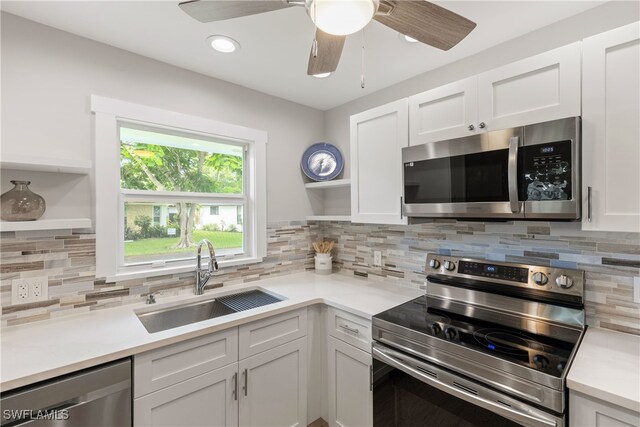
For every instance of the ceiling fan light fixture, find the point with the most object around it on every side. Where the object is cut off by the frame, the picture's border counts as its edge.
(406, 38)
(341, 17)
(223, 44)
(321, 75)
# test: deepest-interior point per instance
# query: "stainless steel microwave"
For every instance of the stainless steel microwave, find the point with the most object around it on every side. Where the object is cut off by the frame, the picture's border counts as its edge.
(528, 172)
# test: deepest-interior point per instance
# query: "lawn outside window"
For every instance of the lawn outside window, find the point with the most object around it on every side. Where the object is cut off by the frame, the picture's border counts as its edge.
(178, 179)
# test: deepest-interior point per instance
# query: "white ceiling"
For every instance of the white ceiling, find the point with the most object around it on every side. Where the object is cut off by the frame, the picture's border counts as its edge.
(275, 45)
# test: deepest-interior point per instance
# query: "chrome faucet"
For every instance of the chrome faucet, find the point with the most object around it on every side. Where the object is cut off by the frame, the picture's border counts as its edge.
(202, 276)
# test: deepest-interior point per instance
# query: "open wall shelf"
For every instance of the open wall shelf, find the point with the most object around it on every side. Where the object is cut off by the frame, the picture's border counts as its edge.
(45, 224)
(45, 164)
(336, 183)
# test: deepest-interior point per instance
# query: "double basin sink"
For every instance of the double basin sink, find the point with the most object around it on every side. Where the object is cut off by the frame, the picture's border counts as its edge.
(173, 317)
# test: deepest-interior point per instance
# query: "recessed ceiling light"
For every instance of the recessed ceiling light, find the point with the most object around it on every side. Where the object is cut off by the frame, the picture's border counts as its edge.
(321, 75)
(407, 39)
(223, 44)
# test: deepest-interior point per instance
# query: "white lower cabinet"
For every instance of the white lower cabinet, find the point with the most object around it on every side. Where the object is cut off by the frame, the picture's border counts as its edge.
(585, 411)
(273, 387)
(350, 396)
(206, 400)
(185, 384)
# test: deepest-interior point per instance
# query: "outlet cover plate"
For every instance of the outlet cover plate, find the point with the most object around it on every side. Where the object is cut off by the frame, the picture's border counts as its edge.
(377, 258)
(30, 289)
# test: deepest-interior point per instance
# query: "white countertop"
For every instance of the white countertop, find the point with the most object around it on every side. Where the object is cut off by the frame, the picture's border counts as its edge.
(607, 367)
(42, 350)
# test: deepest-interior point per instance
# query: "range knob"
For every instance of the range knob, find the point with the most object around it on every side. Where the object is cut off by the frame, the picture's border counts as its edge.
(436, 329)
(540, 361)
(539, 278)
(564, 281)
(561, 366)
(434, 263)
(450, 334)
(449, 265)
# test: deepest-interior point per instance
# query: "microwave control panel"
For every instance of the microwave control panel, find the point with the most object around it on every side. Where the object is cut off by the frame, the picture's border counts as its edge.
(545, 171)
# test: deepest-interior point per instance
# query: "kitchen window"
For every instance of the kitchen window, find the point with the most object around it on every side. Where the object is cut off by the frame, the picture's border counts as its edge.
(178, 179)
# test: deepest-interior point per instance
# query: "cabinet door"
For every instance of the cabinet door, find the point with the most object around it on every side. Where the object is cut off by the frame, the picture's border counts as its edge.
(587, 411)
(611, 130)
(537, 89)
(273, 387)
(377, 139)
(350, 395)
(206, 400)
(449, 111)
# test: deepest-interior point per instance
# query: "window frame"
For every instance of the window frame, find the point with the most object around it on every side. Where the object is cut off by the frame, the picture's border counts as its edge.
(109, 114)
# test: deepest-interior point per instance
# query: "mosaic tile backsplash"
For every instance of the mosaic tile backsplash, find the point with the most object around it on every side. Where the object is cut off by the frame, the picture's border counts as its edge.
(611, 262)
(68, 259)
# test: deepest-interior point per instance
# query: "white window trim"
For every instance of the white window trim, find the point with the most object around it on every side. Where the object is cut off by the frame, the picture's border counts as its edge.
(107, 113)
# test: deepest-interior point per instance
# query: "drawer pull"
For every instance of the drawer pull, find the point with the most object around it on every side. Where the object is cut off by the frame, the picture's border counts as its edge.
(347, 328)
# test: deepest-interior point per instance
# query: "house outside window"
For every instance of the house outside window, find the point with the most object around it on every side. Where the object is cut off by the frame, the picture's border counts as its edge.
(177, 186)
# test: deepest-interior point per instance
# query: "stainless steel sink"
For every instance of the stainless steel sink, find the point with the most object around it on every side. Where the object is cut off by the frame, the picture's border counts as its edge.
(173, 317)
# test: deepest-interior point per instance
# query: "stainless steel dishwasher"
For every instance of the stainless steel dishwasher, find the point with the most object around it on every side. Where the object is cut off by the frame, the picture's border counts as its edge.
(96, 397)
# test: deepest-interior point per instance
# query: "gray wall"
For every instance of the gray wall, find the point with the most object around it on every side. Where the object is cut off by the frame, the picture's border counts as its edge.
(48, 76)
(597, 20)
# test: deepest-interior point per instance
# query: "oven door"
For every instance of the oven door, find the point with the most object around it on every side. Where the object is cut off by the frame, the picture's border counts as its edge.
(474, 176)
(408, 392)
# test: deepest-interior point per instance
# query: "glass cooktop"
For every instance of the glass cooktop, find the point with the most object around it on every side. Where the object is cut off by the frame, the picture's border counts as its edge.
(535, 351)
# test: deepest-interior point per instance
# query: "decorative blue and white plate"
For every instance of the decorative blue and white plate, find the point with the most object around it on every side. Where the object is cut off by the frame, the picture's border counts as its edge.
(322, 162)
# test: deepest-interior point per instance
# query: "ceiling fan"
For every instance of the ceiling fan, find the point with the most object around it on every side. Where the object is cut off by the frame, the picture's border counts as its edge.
(335, 19)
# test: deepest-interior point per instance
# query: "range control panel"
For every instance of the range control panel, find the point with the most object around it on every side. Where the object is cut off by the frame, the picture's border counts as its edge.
(541, 278)
(495, 271)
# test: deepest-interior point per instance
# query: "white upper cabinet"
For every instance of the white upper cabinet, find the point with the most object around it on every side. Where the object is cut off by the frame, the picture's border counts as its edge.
(449, 111)
(377, 138)
(537, 89)
(611, 130)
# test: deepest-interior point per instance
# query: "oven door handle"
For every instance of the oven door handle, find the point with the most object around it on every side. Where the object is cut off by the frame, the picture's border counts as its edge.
(512, 171)
(387, 356)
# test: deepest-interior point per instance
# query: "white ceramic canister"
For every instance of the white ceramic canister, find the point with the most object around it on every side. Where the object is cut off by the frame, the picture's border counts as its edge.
(323, 263)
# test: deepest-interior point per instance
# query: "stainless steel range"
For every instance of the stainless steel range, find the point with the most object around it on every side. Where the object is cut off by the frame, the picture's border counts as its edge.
(489, 344)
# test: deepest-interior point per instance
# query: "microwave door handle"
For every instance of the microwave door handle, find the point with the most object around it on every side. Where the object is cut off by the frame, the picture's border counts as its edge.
(513, 174)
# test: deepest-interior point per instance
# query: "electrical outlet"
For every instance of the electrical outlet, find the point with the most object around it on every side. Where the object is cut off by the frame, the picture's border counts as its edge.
(377, 258)
(31, 289)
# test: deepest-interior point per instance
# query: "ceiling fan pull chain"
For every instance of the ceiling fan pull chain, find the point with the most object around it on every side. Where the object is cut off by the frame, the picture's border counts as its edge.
(362, 63)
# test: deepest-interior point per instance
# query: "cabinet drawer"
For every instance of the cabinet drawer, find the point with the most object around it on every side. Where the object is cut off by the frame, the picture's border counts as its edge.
(349, 328)
(157, 369)
(268, 333)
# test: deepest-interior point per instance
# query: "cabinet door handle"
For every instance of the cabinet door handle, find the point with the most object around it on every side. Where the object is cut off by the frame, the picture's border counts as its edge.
(370, 377)
(234, 393)
(589, 198)
(350, 329)
(471, 127)
(401, 207)
(245, 374)
(482, 125)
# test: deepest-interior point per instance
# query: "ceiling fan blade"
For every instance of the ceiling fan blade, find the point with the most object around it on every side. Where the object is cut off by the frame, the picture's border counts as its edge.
(328, 54)
(425, 22)
(219, 10)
